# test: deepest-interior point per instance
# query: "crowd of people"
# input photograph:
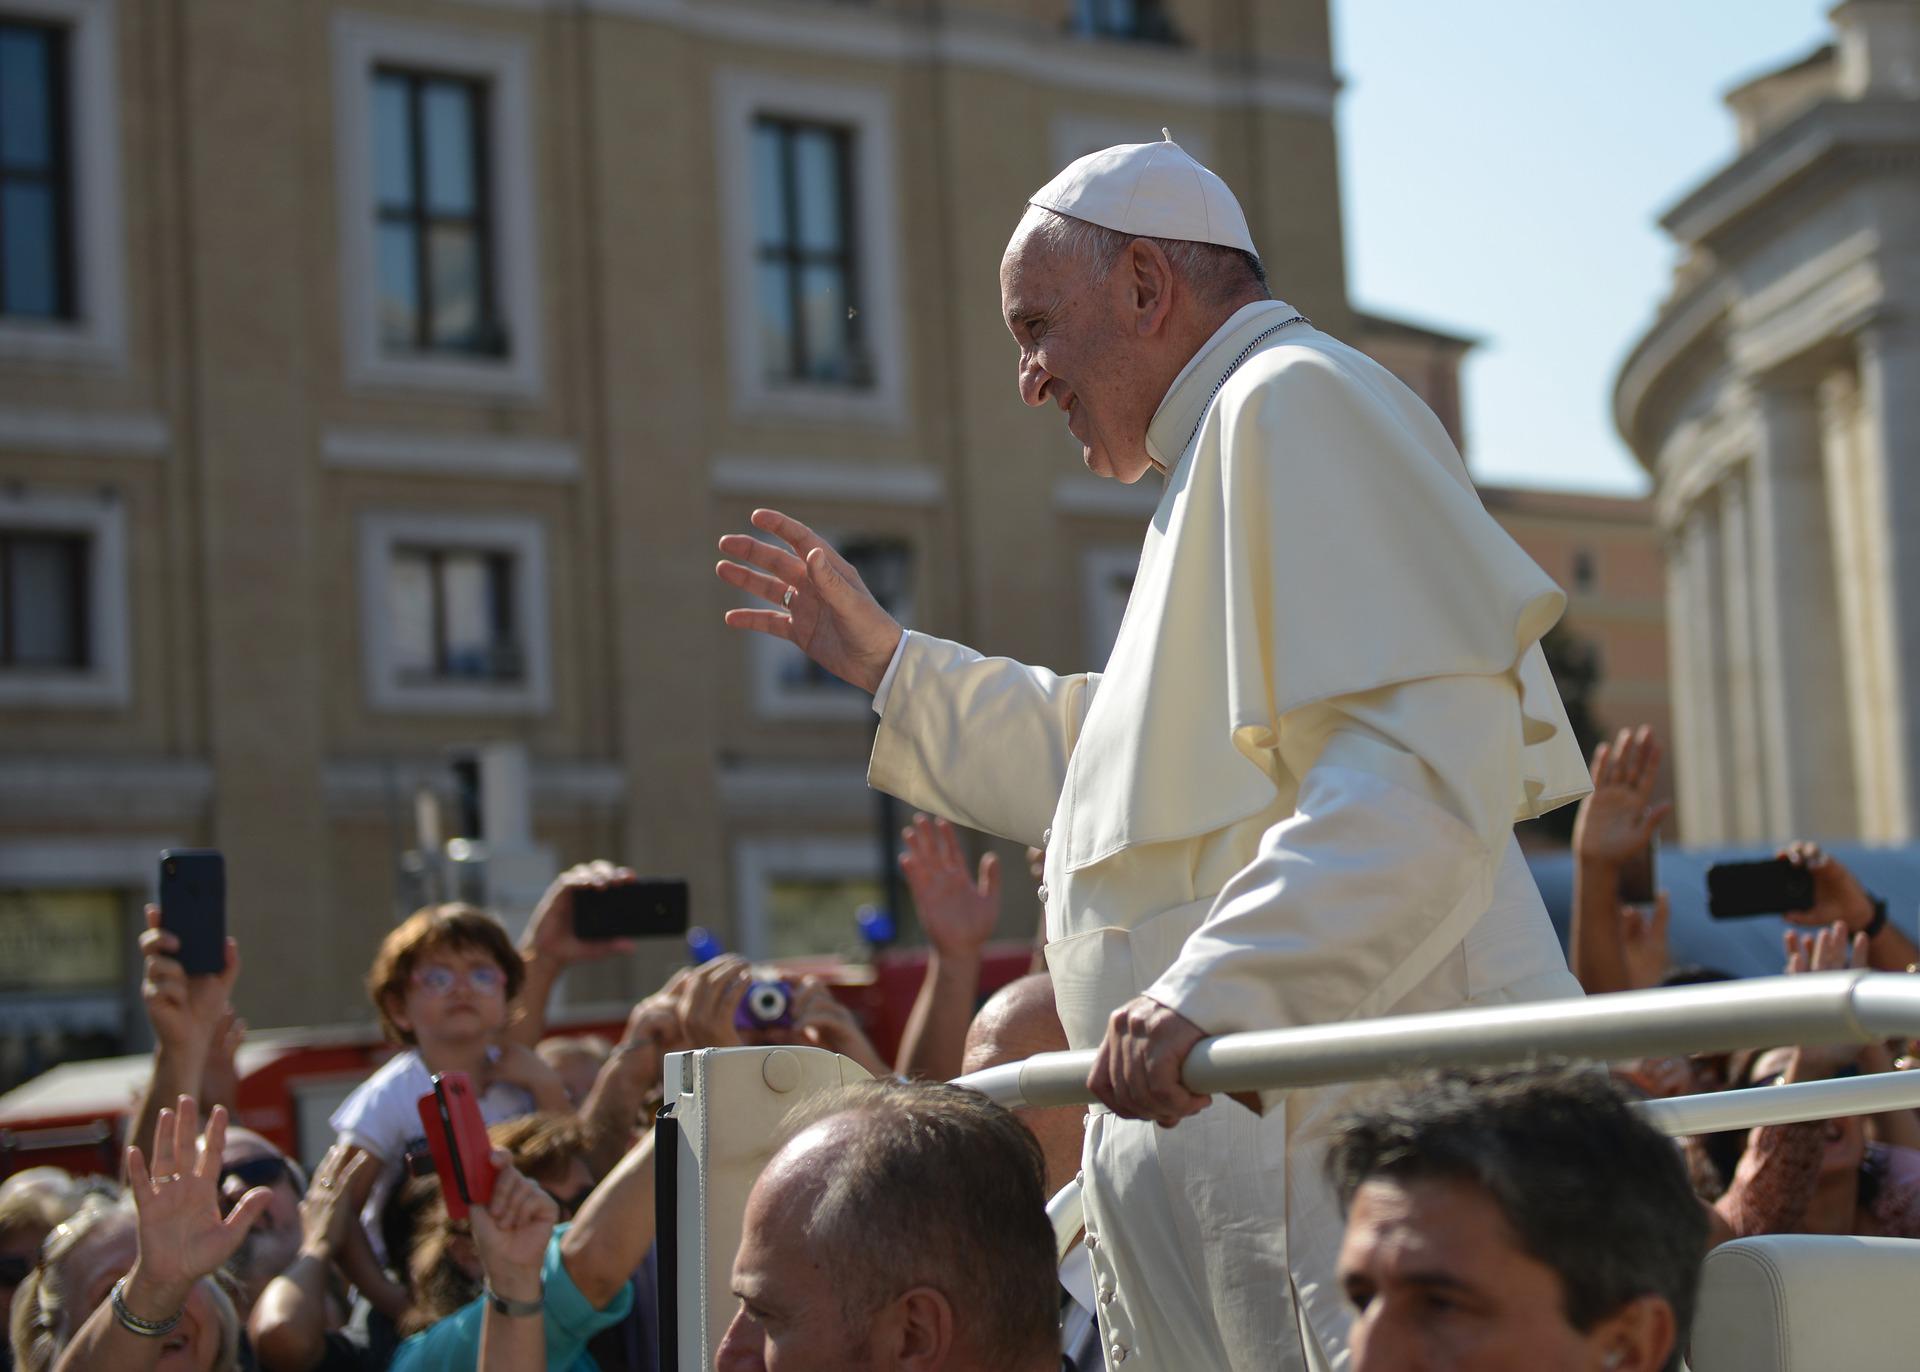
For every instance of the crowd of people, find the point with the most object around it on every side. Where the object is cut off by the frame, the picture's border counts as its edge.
(1527, 1218)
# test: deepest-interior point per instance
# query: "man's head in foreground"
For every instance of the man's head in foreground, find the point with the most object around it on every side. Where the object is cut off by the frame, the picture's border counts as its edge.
(1515, 1222)
(898, 1226)
(1017, 1021)
(1120, 269)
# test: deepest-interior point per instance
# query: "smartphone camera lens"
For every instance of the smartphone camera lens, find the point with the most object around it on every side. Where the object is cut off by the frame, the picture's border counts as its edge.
(172, 868)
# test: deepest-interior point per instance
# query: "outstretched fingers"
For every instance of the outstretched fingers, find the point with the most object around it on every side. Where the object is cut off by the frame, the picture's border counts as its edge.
(746, 579)
(754, 552)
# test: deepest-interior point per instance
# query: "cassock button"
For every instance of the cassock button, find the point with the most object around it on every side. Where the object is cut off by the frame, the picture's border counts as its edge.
(1093, 1241)
(1043, 895)
(1046, 837)
(1106, 1295)
(1117, 1354)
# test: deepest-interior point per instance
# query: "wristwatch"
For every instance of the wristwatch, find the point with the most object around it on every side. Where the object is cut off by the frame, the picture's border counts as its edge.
(1879, 920)
(521, 1309)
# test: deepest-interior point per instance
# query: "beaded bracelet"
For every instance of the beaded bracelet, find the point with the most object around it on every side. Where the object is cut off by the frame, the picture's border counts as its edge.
(146, 1329)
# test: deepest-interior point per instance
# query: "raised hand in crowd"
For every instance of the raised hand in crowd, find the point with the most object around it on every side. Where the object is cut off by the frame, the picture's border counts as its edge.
(1643, 941)
(1838, 897)
(290, 1321)
(959, 909)
(1614, 827)
(518, 1065)
(182, 1237)
(709, 998)
(611, 1113)
(1831, 949)
(550, 945)
(510, 1234)
(821, 1021)
(191, 1018)
(824, 608)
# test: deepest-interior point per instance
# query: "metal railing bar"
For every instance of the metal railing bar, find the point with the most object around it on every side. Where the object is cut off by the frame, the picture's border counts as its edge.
(1791, 1104)
(1764, 1012)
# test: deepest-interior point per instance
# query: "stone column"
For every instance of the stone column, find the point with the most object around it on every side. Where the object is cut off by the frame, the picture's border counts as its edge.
(1746, 760)
(1703, 757)
(1890, 435)
(1803, 735)
(1689, 778)
(1856, 546)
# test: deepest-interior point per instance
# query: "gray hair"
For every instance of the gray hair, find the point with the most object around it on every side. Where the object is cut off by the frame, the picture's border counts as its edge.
(1211, 271)
(1587, 1186)
(934, 1185)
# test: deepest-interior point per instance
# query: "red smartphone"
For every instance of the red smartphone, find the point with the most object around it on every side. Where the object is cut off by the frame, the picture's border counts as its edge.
(457, 1138)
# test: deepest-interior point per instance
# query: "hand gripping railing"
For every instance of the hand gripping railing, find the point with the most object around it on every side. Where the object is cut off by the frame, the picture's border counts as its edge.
(1825, 1007)
(1822, 1007)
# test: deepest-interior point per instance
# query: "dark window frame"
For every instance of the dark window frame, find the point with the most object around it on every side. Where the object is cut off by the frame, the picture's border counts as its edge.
(1146, 22)
(793, 259)
(505, 631)
(421, 219)
(81, 622)
(58, 174)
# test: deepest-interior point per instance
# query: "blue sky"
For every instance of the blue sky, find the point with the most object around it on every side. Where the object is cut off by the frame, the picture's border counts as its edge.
(1503, 162)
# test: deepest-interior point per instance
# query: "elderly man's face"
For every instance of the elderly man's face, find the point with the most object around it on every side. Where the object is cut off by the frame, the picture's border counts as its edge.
(1439, 1283)
(1073, 335)
(790, 1307)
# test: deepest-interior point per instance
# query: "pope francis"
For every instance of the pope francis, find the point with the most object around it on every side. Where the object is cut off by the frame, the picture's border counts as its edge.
(1289, 798)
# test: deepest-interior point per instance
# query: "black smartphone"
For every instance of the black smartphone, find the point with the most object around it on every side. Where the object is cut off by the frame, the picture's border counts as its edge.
(634, 909)
(1638, 878)
(1740, 890)
(193, 907)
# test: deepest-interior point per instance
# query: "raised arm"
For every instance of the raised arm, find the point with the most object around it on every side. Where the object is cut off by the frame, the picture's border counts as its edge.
(958, 913)
(1616, 822)
(188, 1015)
(609, 1238)
(288, 1325)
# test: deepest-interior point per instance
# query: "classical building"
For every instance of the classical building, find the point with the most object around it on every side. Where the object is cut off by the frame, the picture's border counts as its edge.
(376, 377)
(1776, 401)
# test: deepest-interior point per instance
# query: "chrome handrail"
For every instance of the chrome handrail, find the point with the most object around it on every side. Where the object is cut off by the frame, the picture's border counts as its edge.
(1764, 1012)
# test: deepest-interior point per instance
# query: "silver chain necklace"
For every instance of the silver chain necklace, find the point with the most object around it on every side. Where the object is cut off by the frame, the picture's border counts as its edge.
(1233, 367)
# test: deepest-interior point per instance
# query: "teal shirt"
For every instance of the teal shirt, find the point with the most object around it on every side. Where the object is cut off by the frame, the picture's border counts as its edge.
(453, 1345)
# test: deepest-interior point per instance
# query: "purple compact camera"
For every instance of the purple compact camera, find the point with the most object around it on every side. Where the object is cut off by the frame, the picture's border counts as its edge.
(767, 1005)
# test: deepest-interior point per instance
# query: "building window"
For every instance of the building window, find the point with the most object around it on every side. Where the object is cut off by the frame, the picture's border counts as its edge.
(810, 329)
(1145, 20)
(63, 601)
(798, 897)
(790, 685)
(43, 600)
(815, 321)
(435, 234)
(36, 258)
(438, 190)
(1586, 570)
(454, 613)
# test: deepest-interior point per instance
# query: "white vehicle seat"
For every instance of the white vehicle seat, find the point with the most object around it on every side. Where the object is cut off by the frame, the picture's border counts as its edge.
(1809, 1303)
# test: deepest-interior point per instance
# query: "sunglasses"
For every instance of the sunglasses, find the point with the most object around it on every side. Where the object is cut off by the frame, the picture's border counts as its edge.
(438, 980)
(267, 1170)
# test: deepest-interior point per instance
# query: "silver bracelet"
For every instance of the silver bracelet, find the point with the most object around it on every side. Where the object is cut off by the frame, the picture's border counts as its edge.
(146, 1329)
(518, 1309)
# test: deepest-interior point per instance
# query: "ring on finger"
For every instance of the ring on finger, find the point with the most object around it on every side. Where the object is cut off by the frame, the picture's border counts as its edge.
(786, 601)
(164, 1178)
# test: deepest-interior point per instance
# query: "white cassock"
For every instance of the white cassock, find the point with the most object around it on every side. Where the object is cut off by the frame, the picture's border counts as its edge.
(1288, 800)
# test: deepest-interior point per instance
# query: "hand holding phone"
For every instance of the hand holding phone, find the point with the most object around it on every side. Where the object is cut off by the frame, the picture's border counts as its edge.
(193, 907)
(1742, 890)
(457, 1138)
(630, 909)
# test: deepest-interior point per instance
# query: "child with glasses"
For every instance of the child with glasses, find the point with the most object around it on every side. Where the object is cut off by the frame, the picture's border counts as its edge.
(443, 985)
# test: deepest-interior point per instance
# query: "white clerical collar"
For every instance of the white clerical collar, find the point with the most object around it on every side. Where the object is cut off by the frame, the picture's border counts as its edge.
(1173, 421)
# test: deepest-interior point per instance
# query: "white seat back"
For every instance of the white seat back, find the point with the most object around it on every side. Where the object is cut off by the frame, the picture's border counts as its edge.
(1809, 1303)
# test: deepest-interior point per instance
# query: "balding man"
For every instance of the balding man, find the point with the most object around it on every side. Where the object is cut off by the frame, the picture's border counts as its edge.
(1290, 797)
(899, 1226)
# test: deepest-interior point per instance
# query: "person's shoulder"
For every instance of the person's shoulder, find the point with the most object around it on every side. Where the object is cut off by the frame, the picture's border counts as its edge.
(401, 1080)
(453, 1342)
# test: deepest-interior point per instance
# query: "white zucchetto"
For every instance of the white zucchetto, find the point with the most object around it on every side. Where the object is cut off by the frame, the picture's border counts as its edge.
(1149, 190)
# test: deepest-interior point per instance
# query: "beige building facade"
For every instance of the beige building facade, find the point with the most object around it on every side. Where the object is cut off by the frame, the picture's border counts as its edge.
(1776, 401)
(375, 379)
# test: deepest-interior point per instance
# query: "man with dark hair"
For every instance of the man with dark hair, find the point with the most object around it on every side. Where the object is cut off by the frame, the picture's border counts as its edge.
(1515, 1220)
(899, 1225)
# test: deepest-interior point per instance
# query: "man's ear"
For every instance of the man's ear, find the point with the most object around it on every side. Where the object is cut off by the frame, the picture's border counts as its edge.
(922, 1336)
(1638, 1337)
(1149, 285)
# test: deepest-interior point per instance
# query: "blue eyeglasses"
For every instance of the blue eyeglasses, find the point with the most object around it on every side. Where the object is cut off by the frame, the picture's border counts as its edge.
(438, 980)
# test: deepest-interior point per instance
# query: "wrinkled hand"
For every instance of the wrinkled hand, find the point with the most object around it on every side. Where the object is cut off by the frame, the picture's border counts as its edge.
(327, 1211)
(1830, 950)
(958, 911)
(1136, 1069)
(709, 997)
(550, 935)
(186, 1013)
(1660, 1078)
(821, 1021)
(182, 1234)
(653, 1031)
(1838, 896)
(511, 1231)
(1618, 818)
(832, 618)
(1643, 942)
